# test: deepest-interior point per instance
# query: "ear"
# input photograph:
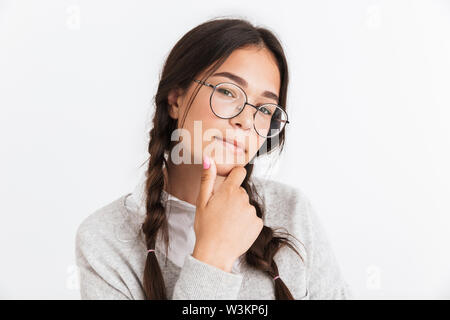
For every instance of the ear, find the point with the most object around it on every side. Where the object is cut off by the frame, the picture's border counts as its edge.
(175, 100)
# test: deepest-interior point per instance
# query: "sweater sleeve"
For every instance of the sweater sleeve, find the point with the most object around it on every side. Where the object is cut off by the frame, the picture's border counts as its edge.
(202, 281)
(325, 280)
(98, 278)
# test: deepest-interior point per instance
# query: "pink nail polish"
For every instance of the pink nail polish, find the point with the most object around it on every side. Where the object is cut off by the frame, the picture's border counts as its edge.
(206, 163)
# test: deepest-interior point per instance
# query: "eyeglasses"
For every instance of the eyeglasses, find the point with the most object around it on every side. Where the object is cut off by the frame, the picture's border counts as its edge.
(227, 100)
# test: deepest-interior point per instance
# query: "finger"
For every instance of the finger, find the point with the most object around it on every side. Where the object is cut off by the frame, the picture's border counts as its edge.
(208, 177)
(236, 176)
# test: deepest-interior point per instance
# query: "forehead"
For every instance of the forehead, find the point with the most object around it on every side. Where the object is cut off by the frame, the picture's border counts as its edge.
(257, 66)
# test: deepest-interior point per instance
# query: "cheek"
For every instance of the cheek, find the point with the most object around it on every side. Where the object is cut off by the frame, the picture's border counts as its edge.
(203, 124)
(200, 111)
(255, 143)
(200, 125)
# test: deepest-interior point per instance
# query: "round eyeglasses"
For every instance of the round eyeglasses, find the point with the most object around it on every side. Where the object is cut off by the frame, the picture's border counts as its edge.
(227, 100)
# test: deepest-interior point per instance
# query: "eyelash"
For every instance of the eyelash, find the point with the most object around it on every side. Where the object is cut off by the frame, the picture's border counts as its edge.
(259, 104)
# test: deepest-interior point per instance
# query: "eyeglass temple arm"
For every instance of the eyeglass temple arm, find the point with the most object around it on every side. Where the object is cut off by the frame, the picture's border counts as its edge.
(287, 121)
(204, 83)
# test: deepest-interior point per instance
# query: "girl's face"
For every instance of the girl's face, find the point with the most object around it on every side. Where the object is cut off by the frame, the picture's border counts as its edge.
(255, 71)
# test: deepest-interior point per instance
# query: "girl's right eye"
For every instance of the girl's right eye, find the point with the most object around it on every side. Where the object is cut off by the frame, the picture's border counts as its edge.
(226, 92)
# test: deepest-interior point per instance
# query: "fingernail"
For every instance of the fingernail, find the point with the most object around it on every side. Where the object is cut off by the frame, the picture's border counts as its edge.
(206, 163)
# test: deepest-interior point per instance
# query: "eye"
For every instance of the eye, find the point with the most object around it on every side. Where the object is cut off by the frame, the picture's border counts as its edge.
(265, 111)
(226, 92)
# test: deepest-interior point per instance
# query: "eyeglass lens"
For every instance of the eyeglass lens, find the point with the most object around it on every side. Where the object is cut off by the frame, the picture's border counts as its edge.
(227, 101)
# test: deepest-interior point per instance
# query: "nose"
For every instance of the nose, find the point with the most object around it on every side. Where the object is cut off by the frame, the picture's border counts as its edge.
(244, 120)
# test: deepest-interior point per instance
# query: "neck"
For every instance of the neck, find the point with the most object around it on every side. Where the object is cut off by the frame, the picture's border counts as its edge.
(184, 181)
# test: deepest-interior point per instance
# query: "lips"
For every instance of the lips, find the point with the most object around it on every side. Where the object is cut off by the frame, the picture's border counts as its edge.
(233, 142)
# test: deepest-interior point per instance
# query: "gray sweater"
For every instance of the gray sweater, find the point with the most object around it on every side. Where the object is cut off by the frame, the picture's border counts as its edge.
(110, 254)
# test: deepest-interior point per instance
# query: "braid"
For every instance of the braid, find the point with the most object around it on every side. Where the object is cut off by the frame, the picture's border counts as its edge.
(260, 254)
(154, 286)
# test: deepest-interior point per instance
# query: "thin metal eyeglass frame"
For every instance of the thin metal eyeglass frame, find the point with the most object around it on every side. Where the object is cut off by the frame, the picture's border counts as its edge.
(246, 102)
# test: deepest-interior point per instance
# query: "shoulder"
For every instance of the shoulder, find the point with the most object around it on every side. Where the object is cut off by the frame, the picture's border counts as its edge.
(101, 221)
(281, 198)
(107, 228)
(285, 206)
(107, 253)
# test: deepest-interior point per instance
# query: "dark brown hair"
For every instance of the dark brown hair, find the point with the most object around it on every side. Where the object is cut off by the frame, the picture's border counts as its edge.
(205, 48)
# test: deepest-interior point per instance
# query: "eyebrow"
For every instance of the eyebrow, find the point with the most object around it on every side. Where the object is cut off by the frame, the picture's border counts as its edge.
(242, 82)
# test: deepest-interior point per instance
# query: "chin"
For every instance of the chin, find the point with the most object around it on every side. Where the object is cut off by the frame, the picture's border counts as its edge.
(224, 169)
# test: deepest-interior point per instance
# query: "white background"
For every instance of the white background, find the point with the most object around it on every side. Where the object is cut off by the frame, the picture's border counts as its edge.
(369, 140)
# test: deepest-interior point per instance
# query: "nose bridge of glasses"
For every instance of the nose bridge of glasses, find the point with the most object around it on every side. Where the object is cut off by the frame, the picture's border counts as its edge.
(255, 107)
(251, 111)
(246, 116)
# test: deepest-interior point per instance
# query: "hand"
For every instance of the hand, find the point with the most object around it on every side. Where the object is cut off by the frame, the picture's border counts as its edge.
(226, 224)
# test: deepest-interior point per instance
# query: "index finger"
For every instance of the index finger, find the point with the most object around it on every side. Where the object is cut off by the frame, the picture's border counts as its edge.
(235, 177)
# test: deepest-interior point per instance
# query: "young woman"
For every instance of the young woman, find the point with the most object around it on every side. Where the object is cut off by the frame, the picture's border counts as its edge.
(200, 226)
